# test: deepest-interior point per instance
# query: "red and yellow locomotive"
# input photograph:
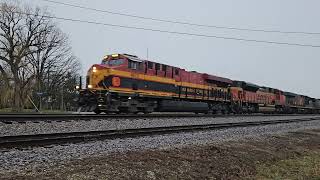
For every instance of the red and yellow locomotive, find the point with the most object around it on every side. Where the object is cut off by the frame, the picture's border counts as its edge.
(124, 83)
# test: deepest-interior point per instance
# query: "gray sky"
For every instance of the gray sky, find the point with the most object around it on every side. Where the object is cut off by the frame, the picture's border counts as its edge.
(290, 68)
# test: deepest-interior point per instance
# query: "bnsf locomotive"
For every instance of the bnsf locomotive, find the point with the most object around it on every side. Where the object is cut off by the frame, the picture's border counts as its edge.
(124, 83)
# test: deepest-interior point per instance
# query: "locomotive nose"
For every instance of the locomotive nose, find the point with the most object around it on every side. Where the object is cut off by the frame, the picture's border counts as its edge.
(94, 75)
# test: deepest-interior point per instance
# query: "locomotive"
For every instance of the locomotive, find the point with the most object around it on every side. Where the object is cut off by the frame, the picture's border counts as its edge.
(124, 83)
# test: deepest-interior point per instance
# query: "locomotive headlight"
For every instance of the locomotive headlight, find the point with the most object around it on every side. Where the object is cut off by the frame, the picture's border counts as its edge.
(94, 69)
(89, 86)
(115, 55)
(77, 87)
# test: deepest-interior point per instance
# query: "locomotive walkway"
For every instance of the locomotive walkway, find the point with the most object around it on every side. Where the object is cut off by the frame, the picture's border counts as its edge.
(22, 141)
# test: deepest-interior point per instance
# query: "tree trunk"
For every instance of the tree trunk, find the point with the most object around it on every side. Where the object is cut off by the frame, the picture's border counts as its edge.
(17, 102)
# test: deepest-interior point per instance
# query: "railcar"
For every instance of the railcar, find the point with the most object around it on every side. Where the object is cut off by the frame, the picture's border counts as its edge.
(124, 83)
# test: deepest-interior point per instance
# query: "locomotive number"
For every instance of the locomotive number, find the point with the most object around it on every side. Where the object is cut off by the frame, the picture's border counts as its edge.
(116, 81)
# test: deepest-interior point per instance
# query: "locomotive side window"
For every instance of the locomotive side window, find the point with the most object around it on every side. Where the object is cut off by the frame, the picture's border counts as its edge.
(104, 62)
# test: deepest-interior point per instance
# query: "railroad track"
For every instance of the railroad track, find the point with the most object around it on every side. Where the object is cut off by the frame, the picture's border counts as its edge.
(22, 141)
(24, 118)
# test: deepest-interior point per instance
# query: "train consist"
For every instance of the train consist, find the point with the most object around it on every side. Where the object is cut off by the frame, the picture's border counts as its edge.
(124, 83)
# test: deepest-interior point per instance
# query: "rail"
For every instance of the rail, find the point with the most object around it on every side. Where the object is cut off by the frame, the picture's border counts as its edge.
(23, 118)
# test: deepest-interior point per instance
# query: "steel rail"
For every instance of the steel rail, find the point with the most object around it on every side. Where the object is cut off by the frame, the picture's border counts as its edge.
(23, 118)
(21, 141)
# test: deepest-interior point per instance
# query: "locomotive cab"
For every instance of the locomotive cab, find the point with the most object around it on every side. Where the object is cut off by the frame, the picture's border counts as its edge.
(104, 80)
(98, 76)
(123, 62)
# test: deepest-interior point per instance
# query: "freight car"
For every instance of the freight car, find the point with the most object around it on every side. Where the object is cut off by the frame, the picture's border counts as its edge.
(124, 83)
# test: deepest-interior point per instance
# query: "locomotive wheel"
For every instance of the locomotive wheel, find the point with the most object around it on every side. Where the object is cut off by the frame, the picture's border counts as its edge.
(148, 110)
(97, 111)
(225, 111)
(209, 112)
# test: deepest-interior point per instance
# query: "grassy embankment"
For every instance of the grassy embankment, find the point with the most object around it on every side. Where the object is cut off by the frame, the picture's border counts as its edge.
(305, 167)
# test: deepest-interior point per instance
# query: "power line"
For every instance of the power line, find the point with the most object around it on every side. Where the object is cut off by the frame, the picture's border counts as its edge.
(170, 32)
(181, 22)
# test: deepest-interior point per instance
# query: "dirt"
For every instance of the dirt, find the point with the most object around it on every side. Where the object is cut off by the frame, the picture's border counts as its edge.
(229, 160)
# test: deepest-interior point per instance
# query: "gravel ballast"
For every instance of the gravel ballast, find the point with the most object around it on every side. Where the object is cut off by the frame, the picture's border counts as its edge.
(108, 124)
(29, 160)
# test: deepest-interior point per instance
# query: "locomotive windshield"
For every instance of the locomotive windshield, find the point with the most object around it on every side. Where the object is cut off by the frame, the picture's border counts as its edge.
(113, 62)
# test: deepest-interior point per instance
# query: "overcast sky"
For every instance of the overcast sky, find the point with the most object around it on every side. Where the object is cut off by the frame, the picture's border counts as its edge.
(289, 68)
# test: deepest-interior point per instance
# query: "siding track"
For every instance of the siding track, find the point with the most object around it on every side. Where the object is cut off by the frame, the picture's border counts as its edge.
(35, 118)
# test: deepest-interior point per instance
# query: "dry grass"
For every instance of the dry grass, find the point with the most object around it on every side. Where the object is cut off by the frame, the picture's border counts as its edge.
(306, 167)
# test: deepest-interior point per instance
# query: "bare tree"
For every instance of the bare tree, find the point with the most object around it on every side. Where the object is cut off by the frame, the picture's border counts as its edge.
(53, 63)
(32, 49)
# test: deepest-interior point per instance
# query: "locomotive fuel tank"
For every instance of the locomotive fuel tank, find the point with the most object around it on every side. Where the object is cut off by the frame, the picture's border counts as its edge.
(182, 106)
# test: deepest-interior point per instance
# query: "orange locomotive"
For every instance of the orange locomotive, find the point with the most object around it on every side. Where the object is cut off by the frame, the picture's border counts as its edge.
(124, 83)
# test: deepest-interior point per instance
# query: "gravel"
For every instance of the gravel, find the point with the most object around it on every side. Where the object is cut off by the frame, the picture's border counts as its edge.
(108, 124)
(35, 158)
